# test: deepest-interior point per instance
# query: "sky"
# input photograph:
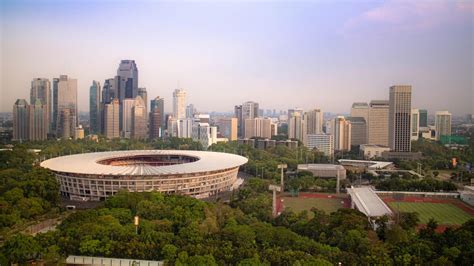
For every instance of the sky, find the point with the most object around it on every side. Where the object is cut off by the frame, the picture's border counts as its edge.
(307, 54)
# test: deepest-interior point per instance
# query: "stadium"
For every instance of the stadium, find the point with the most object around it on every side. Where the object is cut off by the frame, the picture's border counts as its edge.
(96, 176)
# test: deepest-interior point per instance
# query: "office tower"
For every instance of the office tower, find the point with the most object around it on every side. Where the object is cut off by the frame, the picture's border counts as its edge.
(139, 119)
(377, 130)
(228, 128)
(142, 93)
(41, 90)
(94, 108)
(240, 121)
(205, 134)
(155, 123)
(314, 121)
(442, 124)
(111, 121)
(109, 91)
(202, 118)
(38, 123)
(20, 120)
(415, 124)
(423, 118)
(65, 89)
(360, 109)
(190, 111)
(322, 142)
(179, 104)
(54, 117)
(258, 127)
(341, 131)
(399, 118)
(79, 132)
(127, 74)
(358, 130)
(296, 125)
(185, 128)
(159, 103)
(127, 105)
(65, 128)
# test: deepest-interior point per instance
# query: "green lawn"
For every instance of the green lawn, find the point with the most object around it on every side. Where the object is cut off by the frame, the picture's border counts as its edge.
(300, 204)
(443, 213)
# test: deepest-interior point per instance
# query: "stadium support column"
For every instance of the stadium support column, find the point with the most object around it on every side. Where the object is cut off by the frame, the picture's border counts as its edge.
(274, 188)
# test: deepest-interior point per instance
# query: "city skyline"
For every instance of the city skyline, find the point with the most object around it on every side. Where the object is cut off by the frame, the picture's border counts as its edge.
(297, 53)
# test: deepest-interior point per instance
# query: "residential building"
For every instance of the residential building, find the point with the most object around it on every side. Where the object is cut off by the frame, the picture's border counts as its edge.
(258, 127)
(297, 128)
(314, 121)
(248, 110)
(205, 134)
(399, 118)
(322, 142)
(377, 132)
(240, 122)
(341, 130)
(190, 111)
(442, 124)
(94, 108)
(228, 128)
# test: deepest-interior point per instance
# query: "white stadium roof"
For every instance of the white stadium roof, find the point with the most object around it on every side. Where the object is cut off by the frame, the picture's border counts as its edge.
(367, 201)
(87, 163)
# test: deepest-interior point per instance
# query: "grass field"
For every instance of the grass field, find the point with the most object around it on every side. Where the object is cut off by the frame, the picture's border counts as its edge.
(300, 204)
(443, 213)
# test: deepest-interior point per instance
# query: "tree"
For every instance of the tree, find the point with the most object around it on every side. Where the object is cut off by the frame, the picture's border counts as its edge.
(21, 248)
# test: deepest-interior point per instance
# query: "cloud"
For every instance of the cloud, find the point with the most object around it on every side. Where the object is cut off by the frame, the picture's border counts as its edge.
(412, 15)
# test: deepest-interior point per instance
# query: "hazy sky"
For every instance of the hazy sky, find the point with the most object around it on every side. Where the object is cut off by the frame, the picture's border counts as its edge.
(313, 54)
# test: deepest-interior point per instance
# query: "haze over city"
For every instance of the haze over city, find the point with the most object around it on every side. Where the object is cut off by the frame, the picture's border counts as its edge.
(282, 55)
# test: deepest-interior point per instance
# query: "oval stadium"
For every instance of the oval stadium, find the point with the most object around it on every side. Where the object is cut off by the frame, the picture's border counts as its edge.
(96, 176)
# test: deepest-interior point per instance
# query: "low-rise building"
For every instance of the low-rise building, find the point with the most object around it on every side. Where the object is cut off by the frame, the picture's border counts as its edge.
(370, 151)
(324, 170)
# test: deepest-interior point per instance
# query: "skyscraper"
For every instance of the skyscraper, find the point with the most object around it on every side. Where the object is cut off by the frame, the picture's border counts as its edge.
(20, 120)
(127, 105)
(341, 131)
(41, 89)
(442, 124)
(128, 79)
(38, 124)
(297, 128)
(54, 117)
(142, 93)
(179, 104)
(205, 134)
(155, 123)
(258, 127)
(240, 122)
(360, 110)
(322, 142)
(65, 91)
(94, 108)
(314, 121)
(159, 103)
(190, 111)
(415, 124)
(377, 130)
(358, 130)
(228, 128)
(111, 121)
(139, 119)
(109, 91)
(400, 118)
(423, 118)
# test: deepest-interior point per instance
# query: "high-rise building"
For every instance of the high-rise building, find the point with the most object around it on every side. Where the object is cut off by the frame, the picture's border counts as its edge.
(297, 125)
(20, 120)
(159, 103)
(190, 111)
(94, 108)
(314, 121)
(399, 118)
(127, 74)
(360, 109)
(377, 130)
(109, 91)
(155, 124)
(341, 131)
(240, 121)
(228, 128)
(38, 123)
(54, 117)
(111, 121)
(179, 104)
(65, 90)
(423, 118)
(205, 134)
(142, 93)
(415, 124)
(258, 127)
(185, 128)
(41, 90)
(442, 124)
(127, 105)
(139, 119)
(358, 130)
(322, 142)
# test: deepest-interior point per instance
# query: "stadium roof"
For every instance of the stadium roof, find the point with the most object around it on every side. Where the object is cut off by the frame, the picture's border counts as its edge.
(369, 164)
(368, 202)
(87, 163)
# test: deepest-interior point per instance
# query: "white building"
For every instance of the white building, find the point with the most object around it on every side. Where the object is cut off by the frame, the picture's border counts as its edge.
(127, 105)
(341, 130)
(443, 124)
(297, 125)
(179, 104)
(323, 142)
(205, 134)
(324, 170)
(370, 151)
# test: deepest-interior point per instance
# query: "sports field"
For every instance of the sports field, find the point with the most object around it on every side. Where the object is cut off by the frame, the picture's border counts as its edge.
(326, 203)
(443, 213)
